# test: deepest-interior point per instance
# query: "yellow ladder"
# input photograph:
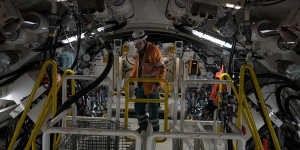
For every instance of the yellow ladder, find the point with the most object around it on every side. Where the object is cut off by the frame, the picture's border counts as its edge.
(51, 100)
(244, 109)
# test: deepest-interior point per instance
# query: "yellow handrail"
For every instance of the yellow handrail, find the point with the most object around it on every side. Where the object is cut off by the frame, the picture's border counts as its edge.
(51, 99)
(260, 98)
(244, 109)
(32, 95)
(245, 112)
(165, 100)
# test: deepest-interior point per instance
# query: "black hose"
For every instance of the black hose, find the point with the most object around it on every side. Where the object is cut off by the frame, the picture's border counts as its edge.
(117, 26)
(10, 80)
(14, 75)
(81, 93)
(279, 77)
(231, 58)
(78, 44)
(181, 28)
(22, 69)
(268, 3)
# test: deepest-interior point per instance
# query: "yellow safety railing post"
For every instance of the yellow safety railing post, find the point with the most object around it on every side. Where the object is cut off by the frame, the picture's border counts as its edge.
(165, 100)
(32, 95)
(260, 98)
(33, 146)
(67, 72)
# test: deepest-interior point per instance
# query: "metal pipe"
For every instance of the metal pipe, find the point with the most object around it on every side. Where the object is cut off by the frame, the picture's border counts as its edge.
(87, 131)
(58, 118)
(84, 118)
(206, 82)
(176, 84)
(232, 136)
(201, 122)
(46, 141)
(118, 92)
(182, 107)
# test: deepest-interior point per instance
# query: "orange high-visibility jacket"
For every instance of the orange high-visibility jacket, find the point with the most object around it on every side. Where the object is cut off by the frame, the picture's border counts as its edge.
(152, 66)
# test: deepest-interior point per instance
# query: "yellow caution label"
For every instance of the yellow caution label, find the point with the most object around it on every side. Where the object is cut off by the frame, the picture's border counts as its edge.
(172, 49)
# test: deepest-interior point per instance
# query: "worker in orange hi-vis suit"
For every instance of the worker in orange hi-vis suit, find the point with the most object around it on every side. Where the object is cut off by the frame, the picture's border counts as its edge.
(215, 87)
(148, 64)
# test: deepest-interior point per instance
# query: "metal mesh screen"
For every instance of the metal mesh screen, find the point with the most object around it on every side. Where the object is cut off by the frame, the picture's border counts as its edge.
(91, 142)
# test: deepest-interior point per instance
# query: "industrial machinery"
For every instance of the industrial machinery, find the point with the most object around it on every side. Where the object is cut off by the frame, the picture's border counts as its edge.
(232, 81)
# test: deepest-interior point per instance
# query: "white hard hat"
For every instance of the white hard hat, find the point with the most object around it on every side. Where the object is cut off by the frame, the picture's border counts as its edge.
(139, 35)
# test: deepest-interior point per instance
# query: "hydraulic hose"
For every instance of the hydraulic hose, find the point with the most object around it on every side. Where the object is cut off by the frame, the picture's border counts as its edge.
(78, 45)
(267, 2)
(94, 84)
(10, 80)
(22, 69)
(14, 75)
(231, 58)
(278, 77)
(279, 80)
(117, 26)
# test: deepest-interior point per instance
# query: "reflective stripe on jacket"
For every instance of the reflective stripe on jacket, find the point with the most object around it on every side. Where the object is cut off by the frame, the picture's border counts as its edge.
(152, 66)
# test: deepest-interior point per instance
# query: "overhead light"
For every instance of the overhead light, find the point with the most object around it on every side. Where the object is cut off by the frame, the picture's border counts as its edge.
(29, 22)
(72, 39)
(229, 5)
(61, 0)
(100, 29)
(212, 39)
(267, 31)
